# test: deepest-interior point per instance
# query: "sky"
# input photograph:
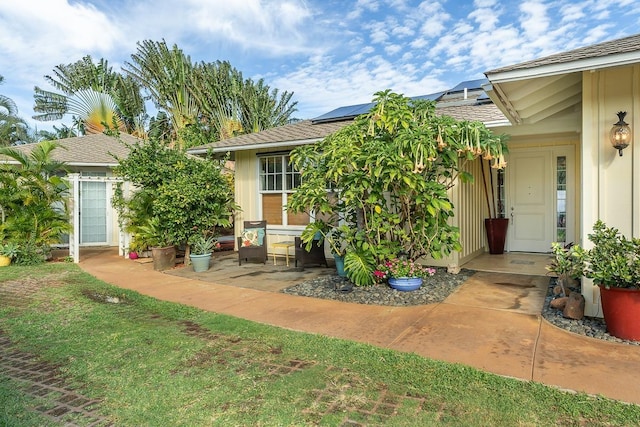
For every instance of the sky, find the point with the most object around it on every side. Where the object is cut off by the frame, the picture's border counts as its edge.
(330, 53)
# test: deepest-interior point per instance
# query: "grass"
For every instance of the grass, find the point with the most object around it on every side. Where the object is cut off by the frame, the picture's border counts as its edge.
(156, 363)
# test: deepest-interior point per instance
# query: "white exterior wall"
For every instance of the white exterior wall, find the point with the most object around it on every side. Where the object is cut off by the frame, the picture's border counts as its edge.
(610, 183)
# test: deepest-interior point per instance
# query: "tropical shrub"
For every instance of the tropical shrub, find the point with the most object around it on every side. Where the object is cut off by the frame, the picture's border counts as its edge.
(385, 180)
(614, 260)
(33, 200)
(177, 195)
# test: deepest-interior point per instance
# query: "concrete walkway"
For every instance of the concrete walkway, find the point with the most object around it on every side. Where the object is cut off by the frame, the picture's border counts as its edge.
(492, 322)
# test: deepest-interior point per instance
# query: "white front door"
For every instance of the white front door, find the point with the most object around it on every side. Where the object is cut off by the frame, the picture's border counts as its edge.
(540, 198)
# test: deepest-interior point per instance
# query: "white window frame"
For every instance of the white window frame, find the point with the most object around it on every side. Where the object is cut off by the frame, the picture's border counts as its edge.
(285, 170)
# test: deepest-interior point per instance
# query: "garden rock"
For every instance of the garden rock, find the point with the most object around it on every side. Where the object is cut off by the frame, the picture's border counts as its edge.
(559, 303)
(575, 306)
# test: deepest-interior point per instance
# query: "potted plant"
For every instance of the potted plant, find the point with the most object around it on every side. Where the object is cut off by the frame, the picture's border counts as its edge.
(566, 264)
(163, 252)
(8, 251)
(614, 265)
(201, 247)
(402, 274)
(320, 231)
(496, 225)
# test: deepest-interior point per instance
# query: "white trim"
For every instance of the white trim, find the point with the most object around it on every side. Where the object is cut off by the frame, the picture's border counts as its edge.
(74, 235)
(256, 146)
(587, 64)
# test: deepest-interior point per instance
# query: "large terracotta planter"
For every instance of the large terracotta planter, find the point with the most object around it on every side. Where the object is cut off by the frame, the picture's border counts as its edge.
(163, 258)
(496, 234)
(621, 309)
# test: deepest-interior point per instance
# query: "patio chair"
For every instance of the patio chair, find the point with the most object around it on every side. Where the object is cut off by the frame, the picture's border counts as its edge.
(314, 257)
(252, 243)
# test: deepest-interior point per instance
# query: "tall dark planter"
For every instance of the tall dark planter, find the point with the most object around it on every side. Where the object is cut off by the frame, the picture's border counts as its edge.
(164, 258)
(621, 310)
(496, 234)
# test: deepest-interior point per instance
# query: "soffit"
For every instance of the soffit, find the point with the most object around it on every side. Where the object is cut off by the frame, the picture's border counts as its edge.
(534, 100)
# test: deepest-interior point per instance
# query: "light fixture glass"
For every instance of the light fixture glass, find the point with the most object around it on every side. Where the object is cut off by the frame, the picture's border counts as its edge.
(620, 134)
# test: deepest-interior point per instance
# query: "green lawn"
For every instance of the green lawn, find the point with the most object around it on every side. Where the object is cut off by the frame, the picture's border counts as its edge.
(157, 363)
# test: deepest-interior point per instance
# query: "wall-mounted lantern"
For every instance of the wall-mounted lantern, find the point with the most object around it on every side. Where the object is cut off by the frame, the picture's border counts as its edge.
(620, 134)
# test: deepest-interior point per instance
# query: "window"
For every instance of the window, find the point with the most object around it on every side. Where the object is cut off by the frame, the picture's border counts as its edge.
(561, 199)
(278, 179)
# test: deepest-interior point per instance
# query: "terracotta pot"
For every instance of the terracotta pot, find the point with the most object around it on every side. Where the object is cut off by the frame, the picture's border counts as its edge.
(621, 309)
(164, 258)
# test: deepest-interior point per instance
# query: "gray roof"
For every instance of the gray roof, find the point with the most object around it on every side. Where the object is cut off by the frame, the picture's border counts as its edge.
(88, 150)
(300, 132)
(305, 132)
(612, 47)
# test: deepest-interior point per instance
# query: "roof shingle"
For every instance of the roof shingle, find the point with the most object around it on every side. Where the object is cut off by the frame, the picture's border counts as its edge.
(612, 47)
(306, 131)
(96, 149)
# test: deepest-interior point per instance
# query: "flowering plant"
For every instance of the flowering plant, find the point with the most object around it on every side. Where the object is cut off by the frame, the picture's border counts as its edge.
(402, 268)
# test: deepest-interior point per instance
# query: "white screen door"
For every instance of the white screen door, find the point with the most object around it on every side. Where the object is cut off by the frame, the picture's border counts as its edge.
(93, 212)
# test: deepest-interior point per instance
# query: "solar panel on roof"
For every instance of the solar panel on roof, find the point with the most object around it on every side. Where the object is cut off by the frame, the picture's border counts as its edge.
(469, 84)
(343, 113)
(350, 111)
(431, 97)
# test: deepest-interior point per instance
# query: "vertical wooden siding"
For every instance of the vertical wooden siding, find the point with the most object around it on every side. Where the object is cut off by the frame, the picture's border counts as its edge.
(471, 211)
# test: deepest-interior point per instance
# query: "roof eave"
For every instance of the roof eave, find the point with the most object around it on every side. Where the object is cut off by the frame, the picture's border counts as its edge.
(86, 164)
(587, 64)
(494, 91)
(257, 146)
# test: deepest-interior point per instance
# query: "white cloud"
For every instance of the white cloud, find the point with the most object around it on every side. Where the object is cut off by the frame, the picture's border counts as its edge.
(329, 56)
(321, 88)
(572, 12)
(486, 17)
(378, 32)
(392, 49)
(277, 26)
(534, 19)
(361, 7)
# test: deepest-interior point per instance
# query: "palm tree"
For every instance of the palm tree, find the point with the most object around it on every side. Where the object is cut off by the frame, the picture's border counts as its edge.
(166, 74)
(231, 104)
(13, 129)
(33, 195)
(263, 109)
(91, 91)
(97, 111)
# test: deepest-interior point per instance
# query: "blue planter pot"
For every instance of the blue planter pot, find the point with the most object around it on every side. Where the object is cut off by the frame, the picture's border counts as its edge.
(200, 262)
(340, 265)
(405, 284)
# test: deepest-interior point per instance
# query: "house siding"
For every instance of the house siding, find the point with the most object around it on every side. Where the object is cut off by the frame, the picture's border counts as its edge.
(610, 186)
(471, 212)
(246, 182)
(248, 197)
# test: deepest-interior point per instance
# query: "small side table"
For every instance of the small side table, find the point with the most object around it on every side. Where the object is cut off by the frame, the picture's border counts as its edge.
(286, 246)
